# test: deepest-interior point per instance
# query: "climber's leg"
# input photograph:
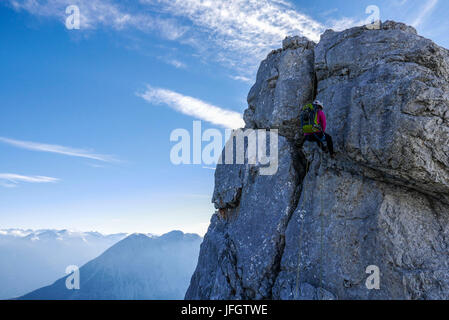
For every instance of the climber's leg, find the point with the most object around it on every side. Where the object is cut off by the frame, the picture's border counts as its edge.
(330, 144)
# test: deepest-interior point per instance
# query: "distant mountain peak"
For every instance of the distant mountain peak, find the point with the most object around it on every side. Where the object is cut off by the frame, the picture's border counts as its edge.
(141, 266)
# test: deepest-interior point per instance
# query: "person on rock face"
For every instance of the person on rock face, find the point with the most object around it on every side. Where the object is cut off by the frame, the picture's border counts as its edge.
(313, 122)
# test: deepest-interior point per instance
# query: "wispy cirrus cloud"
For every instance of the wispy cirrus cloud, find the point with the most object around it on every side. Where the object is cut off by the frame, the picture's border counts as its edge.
(235, 33)
(174, 62)
(53, 148)
(193, 107)
(177, 64)
(104, 13)
(239, 33)
(242, 79)
(11, 180)
(424, 13)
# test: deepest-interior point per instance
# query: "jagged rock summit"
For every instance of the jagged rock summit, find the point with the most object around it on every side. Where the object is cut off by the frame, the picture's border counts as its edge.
(311, 230)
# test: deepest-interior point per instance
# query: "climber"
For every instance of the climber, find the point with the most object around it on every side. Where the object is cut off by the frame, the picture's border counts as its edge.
(313, 123)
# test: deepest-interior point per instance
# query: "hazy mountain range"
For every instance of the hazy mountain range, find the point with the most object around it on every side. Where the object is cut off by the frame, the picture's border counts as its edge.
(138, 267)
(30, 259)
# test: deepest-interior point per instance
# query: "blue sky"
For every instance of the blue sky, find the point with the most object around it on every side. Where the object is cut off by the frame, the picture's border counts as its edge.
(86, 115)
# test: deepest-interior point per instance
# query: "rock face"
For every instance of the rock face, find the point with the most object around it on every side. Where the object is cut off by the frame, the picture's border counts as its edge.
(285, 80)
(311, 230)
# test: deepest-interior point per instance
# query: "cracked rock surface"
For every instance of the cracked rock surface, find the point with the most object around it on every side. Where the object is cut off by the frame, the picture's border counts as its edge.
(384, 199)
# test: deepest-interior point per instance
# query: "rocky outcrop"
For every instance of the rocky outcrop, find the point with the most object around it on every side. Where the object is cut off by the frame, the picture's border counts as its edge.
(285, 80)
(311, 230)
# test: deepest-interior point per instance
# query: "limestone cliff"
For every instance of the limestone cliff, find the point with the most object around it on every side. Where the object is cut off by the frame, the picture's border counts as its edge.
(311, 230)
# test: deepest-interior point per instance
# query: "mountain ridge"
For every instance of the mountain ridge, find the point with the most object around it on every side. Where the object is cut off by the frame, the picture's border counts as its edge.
(141, 267)
(48, 251)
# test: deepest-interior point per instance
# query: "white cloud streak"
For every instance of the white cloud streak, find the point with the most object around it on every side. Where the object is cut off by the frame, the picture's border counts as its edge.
(107, 13)
(247, 22)
(242, 78)
(193, 107)
(235, 33)
(176, 63)
(11, 180)
(424, 13)
(239, 33)
(52, 148)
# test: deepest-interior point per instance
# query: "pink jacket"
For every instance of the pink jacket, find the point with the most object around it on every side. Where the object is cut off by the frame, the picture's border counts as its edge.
(321, 121)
